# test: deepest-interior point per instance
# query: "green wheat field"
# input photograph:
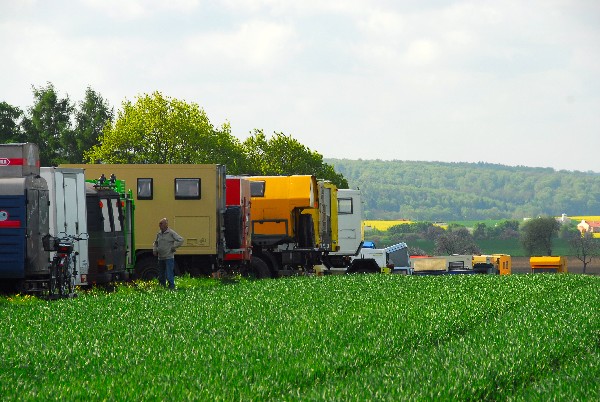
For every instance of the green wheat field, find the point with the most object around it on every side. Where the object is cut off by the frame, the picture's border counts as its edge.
(333, 338)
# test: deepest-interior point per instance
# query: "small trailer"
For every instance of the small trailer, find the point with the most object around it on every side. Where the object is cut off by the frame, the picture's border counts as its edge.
(553, 264)
(442, 265)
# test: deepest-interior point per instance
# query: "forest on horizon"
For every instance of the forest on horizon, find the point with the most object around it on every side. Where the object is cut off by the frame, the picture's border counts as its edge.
(444, 191)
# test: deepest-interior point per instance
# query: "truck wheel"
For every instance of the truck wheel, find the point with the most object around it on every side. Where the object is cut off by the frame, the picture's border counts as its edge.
(258, 269)
(146, 269)
(364, 266)
(233, 226)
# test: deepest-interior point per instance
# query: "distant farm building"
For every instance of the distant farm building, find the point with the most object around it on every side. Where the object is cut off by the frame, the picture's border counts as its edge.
(589, 226)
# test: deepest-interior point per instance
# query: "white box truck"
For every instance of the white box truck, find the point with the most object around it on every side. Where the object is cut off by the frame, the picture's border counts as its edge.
(68, 215)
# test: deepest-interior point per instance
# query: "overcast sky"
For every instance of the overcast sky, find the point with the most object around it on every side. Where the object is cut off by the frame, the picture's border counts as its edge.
(509, 82)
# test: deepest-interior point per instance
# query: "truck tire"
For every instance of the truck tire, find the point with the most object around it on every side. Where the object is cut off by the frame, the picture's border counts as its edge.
(306, 231)
(233, 226)
(364, 266)
(258, 269)
(146, 269)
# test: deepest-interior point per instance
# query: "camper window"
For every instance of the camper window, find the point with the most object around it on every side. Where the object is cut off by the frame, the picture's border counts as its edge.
(145, 189)
(187, 189)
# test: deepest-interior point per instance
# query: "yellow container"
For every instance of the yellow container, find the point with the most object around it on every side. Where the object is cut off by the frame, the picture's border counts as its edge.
(548, 264)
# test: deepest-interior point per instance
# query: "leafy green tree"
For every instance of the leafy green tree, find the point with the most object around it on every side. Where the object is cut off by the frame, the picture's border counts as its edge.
(91, 116)
(456, 241)
(585, 247)
(537, 235)
(416, 251)
(47, 123)
(433, 232)
(159, 129)
(568, 230)
(10, 128)
(479, 232)
(283, 155)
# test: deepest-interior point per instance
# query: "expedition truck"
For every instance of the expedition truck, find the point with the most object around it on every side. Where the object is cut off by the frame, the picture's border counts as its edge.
(24, 214)
(110, 217)
(293, 223)
(193, 198)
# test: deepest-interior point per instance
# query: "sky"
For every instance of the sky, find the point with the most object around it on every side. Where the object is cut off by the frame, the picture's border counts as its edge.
(507, 82)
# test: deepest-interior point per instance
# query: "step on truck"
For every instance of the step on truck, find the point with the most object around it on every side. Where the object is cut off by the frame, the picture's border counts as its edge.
(293, 223)
(24, 220)
(193, 199)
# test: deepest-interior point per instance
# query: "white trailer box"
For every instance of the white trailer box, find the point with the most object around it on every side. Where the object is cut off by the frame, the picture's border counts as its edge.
(349, 222)
(68, 213)
(350, 238)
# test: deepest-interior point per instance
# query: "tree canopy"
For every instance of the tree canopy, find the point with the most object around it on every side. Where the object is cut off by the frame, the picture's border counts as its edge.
(160, 129)
(585, 247)
(92, 115)
(283, 155)
(537, 235)
(10, 124)
(48, 124)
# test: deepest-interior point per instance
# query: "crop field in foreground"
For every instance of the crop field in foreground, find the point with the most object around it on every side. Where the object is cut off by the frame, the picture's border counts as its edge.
(361, 337)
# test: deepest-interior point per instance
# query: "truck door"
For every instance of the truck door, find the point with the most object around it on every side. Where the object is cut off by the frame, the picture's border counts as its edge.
(118, 235)
(75, 220)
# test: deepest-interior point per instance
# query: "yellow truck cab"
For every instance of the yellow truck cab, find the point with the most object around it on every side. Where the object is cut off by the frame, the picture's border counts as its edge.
(293, 221)
(493, 263)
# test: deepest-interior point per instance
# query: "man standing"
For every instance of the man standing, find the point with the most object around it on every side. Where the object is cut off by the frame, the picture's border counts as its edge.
(166, 243)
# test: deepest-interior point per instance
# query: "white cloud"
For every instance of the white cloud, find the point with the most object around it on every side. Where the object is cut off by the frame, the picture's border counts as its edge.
(422, 51)
(431, 81)
(258, 45)
(136, 9)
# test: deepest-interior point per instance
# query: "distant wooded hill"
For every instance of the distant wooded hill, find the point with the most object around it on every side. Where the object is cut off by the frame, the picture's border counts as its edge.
(437, 191)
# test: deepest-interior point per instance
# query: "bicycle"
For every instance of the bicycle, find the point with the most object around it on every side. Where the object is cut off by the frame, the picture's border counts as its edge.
(63, 268)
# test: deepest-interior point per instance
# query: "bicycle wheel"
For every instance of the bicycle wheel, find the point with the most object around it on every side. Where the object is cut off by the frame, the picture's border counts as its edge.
(53, 280)
(70, 278)
(63, 277)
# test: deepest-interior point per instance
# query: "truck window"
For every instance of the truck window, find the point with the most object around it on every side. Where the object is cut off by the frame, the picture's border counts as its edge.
(187, 189)
(257, 188)
(116, 213)
(104, 205)
(456, 265)
(145, 189)
(345, 206)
